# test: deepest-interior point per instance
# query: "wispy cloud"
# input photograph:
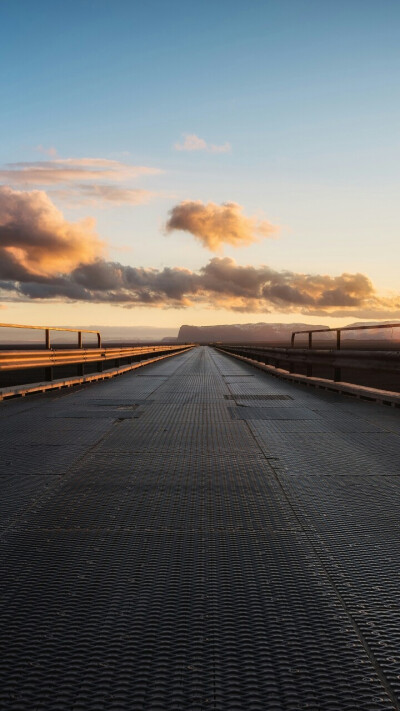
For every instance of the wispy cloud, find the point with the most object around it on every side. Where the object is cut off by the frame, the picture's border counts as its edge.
(214, 225)
(97, 182)
(191, 142)
(69, 170)
(92, 194)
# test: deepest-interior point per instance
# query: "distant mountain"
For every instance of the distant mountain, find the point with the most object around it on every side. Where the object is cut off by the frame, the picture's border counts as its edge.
(135, 334)
(274, 333)
(243, 332)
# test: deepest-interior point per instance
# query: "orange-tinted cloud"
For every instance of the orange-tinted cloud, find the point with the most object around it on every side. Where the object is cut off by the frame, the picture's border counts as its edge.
(191, 143)
(43, 256)
(248, 288)
(36, 239)
(214, 225)
(69, 170)
(219, 284)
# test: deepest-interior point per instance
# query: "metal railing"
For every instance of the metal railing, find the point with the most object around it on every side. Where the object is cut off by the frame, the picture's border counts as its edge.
(22, 360)
(338, 332)
(30, 364)
(48, 329)
(359, 366)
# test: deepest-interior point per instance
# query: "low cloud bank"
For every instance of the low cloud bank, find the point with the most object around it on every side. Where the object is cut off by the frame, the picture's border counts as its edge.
(221, 283)
(214, 225)
(43, 256)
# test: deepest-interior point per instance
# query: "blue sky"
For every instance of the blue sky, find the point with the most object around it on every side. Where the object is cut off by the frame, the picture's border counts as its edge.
(305, 93)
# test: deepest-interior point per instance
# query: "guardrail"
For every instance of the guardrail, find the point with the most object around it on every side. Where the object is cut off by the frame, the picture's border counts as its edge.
(296, 360)
(48, 329)
(22, 360)
(339, 331)
(29, 365)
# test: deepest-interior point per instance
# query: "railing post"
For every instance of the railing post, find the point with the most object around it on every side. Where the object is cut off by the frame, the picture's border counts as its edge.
(80, 339)
(337, 373)
(309, 370)
(47, 338)
(98, 340)
(291, 364)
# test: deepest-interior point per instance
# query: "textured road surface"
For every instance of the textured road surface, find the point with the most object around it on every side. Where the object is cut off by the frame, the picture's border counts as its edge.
(199, 535)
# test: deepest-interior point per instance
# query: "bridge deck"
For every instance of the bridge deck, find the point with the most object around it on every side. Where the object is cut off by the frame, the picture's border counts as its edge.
(199, 535)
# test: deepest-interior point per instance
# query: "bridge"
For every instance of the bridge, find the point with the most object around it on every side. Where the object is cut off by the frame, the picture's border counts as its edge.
(196, 534)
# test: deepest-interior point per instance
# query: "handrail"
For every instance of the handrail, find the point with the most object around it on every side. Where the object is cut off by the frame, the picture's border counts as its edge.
(379, 362)
(56, 367)
(23, 359)
(339, 330)
(47, 330)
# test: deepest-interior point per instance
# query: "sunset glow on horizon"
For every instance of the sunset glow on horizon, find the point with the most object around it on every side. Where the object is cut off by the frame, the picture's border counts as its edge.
(174, 164)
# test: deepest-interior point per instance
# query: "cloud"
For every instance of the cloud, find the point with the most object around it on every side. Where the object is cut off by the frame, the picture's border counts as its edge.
(36, 240)
(214, 225)
(81, 181)
(70, 170)
(95, 194)
(221, 283)
(191, 142)
(43, 256)
(248, 288)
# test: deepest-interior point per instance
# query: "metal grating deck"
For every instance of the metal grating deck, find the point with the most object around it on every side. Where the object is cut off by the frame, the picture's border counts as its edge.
(176, 551)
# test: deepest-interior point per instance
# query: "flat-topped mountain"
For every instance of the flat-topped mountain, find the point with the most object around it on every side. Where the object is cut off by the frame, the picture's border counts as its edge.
(244, 332)
(277, 333)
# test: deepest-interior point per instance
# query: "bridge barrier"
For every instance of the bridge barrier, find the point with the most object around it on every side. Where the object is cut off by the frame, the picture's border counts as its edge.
(18, 360)
(48, 330)
(289, 362)
(290, 359)
(58, 383)
(29, 370)
(342, 329)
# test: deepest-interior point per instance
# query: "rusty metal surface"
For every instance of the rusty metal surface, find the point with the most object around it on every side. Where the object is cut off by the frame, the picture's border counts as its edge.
(189, 543)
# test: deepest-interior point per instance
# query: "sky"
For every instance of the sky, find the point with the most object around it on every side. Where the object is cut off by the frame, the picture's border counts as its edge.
(183, 162)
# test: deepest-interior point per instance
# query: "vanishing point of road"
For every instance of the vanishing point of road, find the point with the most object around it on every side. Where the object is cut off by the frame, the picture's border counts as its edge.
(199, 535)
